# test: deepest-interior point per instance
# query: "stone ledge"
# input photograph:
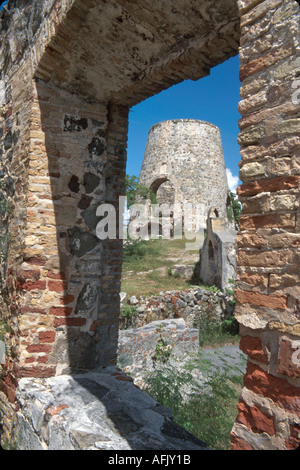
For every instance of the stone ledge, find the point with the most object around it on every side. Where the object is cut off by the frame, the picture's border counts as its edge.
(99, 410)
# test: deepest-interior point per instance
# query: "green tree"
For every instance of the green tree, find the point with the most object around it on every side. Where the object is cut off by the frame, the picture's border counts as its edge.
(137, 192)
(236, 207)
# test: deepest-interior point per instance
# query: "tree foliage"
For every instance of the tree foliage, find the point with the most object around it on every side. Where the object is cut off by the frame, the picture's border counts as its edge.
(136, 192)
(236, 207)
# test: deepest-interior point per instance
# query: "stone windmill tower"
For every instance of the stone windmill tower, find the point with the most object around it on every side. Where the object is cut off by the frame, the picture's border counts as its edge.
(184, 164)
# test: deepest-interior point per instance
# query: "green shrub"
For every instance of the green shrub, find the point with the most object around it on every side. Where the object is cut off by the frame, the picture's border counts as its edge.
(215, 329)
(135, 249)
(206, 409)
(163, 348)
(128, 311)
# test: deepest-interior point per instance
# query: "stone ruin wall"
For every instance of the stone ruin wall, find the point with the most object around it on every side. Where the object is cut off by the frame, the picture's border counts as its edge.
(268, 289)
(188, 155)
(73, 103)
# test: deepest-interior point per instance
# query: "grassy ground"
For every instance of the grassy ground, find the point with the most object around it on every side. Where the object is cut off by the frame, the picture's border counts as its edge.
(147, 264)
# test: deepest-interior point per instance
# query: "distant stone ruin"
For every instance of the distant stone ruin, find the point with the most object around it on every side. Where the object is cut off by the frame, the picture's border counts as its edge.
(184, 164)
(217, 264)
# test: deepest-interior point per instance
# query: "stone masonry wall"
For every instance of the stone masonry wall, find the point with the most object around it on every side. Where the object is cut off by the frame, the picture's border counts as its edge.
(59, 159)
(189, 304)
(268, 242)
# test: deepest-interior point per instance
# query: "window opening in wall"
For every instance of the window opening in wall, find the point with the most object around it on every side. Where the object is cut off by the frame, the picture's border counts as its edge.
(161, 287)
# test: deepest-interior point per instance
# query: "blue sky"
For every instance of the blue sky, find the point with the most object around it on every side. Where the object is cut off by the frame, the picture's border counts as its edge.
(213, 99)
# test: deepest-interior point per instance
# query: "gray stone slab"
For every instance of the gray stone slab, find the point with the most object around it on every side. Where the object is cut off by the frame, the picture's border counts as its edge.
(99, 410)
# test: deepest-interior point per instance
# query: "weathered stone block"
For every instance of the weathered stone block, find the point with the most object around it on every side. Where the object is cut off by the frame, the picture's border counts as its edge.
(265, 258)
(81, 242)
(87, 298)
(72, 124)
(252, 135)
(252, 103)
(263, 300)
(291, 126)
(252, 170)
(286, 221)
(283, 202)
(274, 184)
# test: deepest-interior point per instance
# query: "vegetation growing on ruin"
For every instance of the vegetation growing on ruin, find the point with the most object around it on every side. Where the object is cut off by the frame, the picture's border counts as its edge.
(205, 408)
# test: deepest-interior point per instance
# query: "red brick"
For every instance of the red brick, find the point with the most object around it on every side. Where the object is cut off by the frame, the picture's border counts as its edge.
(61, 311)
(29, 360)
(9, 391)
(42, 359)
(237, 443)
(33, 274)
(57, 286)
(31, 285)
(47, 336)
(262, 300)
(252, 347)
(10, 282)
(32, 310)
(36, 371)
(69, 322)
(268, 185)
(255, 419)
(53, 275)
(9, 380)
(35, 261)
(279, 390)
(94, 325)
(38, 348)
(67, 299)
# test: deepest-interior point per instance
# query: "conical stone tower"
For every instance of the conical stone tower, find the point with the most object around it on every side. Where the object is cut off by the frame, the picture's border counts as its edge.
(184, 164)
